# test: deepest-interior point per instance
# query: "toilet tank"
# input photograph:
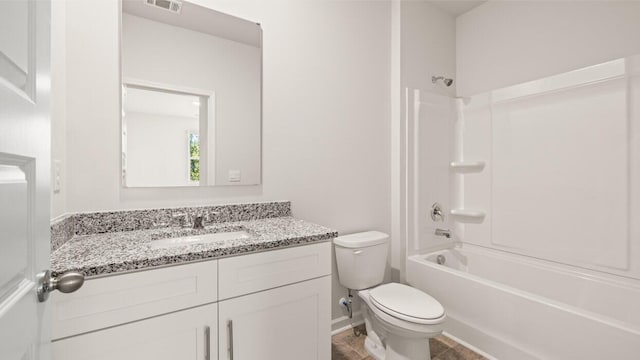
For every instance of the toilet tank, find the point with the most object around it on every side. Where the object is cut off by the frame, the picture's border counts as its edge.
(361, 259)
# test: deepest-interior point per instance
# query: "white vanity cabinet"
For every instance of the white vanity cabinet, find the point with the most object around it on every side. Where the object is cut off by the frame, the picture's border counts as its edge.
(268, 305)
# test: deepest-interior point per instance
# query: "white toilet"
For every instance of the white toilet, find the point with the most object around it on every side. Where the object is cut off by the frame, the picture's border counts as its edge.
(399, 319)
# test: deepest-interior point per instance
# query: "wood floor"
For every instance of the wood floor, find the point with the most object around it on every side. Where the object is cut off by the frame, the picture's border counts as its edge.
(347, 346)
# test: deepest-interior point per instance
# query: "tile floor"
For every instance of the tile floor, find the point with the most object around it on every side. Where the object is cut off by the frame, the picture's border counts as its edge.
(347, 346)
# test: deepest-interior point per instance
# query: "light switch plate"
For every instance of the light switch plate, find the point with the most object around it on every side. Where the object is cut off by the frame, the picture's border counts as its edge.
(234, 176)
(57, 165)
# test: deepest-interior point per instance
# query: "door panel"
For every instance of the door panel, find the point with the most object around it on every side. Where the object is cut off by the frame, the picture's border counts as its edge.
(20, 313)
(17, 35)
(13, 222)
(19, 325)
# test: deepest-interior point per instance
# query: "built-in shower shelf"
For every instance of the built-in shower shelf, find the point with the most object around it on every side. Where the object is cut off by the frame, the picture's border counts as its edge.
(467, 166)
(468, 214)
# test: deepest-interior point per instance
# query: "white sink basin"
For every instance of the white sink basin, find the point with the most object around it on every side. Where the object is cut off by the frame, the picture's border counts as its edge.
(199, 239)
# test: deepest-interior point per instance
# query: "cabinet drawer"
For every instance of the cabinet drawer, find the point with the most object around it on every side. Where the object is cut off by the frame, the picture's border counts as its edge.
(250, 273)
(114, 300)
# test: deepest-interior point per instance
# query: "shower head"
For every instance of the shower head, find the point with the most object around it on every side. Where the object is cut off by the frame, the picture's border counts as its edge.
(446, 81)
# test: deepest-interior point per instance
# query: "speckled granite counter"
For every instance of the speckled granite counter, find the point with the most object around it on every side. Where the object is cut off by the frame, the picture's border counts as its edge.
(108, 253)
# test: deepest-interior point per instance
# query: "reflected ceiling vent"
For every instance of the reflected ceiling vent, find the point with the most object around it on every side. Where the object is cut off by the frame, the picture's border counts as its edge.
(170, 5)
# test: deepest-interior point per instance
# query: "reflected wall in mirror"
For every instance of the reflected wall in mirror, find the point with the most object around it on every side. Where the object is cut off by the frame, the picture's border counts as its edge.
(191, 96)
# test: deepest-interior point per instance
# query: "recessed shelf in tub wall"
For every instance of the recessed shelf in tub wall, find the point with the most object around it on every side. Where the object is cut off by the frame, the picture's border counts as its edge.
(467, 166)
(468, 215)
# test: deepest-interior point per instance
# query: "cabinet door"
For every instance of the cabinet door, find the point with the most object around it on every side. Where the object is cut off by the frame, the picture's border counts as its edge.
(185, 335)
(292, 322)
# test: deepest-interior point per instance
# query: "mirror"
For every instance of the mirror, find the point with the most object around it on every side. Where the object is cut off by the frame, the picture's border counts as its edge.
(191, 96)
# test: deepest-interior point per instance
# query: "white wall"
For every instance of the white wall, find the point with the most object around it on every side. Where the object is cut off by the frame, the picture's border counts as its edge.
(504, 43)
(326, 142)
(158, 149)
(428, 46)
(230, 70)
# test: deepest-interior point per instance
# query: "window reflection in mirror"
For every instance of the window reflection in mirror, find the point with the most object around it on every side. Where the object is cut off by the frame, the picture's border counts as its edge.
(193, 51)
(161, 135)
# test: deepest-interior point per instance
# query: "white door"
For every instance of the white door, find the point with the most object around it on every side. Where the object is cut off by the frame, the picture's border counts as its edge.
(24, 176)
(292, 322)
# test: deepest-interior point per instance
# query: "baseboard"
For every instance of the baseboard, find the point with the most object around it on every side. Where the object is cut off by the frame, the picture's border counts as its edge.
(344, 323)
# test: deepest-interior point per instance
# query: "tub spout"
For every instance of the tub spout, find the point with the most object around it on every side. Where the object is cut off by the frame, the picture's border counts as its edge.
(442, 232)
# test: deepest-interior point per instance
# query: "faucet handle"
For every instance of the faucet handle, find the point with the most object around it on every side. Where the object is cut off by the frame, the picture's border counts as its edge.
(209, 217)
(436, 212)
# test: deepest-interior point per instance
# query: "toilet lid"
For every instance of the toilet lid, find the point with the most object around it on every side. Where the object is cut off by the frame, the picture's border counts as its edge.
(406, 303)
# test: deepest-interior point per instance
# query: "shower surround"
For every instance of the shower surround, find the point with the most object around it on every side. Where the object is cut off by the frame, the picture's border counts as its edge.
(538, 185)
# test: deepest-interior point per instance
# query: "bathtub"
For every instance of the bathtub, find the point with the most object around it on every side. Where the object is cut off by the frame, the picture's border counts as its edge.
(520, 308)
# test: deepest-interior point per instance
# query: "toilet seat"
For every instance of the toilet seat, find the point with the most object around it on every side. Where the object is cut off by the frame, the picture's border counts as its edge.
(407, 303)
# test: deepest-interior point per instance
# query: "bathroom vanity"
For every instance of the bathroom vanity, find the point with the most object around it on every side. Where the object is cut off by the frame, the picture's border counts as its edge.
(262, 297)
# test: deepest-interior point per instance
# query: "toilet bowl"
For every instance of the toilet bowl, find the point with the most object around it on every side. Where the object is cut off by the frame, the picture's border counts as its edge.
(399, 319)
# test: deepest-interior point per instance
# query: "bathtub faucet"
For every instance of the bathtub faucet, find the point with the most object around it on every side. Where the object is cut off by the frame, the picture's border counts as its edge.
(442, 232)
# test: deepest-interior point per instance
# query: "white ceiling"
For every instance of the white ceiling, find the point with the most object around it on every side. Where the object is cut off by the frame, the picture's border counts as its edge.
(201, 19)
(457, 7)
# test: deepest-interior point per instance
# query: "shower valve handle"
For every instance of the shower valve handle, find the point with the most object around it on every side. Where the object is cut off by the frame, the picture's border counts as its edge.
(436, 212)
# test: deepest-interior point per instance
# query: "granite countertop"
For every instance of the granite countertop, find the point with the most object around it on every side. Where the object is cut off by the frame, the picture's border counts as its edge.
(108, 253)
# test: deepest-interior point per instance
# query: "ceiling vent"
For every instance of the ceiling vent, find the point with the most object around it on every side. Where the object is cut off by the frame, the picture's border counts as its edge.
(170, 5)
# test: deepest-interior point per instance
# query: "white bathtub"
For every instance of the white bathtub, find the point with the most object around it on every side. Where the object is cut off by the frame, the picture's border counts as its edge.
(515, 308)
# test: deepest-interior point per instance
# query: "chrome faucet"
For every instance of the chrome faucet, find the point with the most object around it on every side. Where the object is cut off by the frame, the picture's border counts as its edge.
(197, 222)
(193, 220)
(200, 219)
(442, 232)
